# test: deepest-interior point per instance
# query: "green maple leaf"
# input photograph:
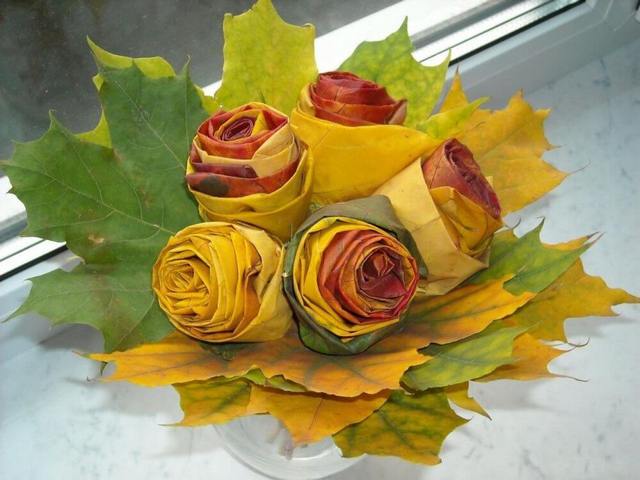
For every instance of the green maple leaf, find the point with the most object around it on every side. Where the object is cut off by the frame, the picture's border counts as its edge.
(390, 63)
(412, 427)
(114, 202)
(534, 264)
(265, 59)
(464, 360)
(153, 67)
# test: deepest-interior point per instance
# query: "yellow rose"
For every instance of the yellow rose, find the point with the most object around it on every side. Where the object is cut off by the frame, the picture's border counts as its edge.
(221, 282)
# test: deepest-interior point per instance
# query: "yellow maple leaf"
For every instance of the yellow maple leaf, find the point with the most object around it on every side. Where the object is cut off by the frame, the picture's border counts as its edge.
(309, 417)
(457, 98)
(573, 294)
(508, 145)
(178, 359)
(532, 357)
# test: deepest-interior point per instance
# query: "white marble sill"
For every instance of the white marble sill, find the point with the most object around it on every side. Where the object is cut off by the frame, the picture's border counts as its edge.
(56, 422)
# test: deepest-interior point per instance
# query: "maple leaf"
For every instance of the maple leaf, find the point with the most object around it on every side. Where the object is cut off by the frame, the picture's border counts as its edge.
(412, 427)
(530, 359)
(310, 417)
(115, 207)
(460, 313)
(519, 268)
(573, 294)
(464, 360)
(152, 67)
(508, 145)
(213, 402)
(265, 59)
(534, 265)
(390, 63)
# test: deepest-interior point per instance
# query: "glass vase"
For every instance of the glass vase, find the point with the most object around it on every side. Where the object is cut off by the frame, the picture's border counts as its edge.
(262, 443)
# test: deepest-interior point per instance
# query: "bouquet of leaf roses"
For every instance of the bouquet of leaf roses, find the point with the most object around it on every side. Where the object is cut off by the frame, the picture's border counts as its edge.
(320, 247)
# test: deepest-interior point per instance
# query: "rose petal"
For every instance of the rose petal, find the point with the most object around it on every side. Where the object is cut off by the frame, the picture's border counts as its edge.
(219, 184)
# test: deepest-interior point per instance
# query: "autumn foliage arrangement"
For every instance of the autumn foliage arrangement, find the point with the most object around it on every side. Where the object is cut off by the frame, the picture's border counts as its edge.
(321, 247)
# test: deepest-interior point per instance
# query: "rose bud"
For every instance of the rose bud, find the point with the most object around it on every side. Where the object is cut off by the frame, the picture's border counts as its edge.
(451, 211)
(470, 206)
(221, 282)
(245, 165)
(353, 128)
(349, 280)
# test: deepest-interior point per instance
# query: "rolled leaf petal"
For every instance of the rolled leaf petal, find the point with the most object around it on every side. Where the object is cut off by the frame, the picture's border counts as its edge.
(221, 181)
(220, 282)
(352, 162)
(349, 276)
(240, 132)
(469, 225)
